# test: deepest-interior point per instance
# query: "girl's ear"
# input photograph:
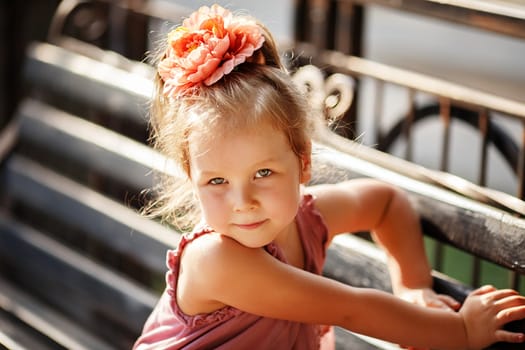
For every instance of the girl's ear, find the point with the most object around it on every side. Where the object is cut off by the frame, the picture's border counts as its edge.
(306, 164)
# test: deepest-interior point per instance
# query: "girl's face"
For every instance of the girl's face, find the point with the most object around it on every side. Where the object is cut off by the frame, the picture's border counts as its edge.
(248, 182)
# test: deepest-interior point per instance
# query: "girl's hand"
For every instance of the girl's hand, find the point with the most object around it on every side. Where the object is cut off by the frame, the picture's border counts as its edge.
(428, 298)
(486, 310)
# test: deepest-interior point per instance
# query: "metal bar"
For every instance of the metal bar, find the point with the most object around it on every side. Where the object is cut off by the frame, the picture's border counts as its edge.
(343, 25)
(500, 16)
(456, 93)
(117, 18)
(318, 19)
(515, 280)
(407, 127)
(521, 165)
(378, 110)
(349, 28)
(515, 277)
(348, 32)
(300, 21)
(444, 112)
(483, 131)
(136, 30)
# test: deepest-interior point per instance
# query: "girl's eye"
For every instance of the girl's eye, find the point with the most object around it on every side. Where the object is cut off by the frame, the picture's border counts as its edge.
(217, 181)
(263, 173)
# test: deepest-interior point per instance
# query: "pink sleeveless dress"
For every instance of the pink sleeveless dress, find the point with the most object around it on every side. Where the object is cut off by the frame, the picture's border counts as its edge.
(230, 328)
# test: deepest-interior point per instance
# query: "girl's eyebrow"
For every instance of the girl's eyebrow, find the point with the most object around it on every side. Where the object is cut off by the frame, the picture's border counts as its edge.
(276, 157)
(208, 173)
(269, 160)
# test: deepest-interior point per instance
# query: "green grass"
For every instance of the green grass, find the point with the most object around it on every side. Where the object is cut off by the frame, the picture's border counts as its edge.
(459, 265)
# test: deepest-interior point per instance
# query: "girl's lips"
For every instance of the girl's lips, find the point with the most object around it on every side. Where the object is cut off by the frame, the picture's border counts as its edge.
(251, 226)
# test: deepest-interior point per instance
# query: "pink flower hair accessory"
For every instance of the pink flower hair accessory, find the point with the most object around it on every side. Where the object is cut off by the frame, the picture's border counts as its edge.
(208, 45)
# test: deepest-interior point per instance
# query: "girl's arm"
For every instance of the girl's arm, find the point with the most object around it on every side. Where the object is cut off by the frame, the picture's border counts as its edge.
(224, 271)
(370, 205)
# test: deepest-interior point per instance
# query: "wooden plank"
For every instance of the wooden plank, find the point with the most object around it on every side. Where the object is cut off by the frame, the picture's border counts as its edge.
(360, 263)
(346, 340)
(44, 320)
(12, 337)
(475, 227)
(504, 8)
(356, 262)
(8, 138)
(119, 227)
(89, 82)
(95, 297)
(506, 17)
(98, 148)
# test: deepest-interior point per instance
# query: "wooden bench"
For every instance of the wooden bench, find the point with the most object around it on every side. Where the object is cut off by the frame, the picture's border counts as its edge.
(60, 237)
(82, 269)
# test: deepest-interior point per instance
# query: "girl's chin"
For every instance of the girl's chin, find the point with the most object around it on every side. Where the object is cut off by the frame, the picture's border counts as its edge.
(254, 243)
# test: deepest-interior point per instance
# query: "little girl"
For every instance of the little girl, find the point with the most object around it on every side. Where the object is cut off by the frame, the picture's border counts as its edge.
(248, 274)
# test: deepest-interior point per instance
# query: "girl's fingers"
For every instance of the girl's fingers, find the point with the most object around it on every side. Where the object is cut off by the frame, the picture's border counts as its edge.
(510, 301)
(500, 294)
(483, 290)
(511, 314)
(449, 302)
(509, 337)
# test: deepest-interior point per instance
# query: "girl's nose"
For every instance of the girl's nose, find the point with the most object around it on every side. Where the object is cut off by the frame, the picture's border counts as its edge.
(244, 199)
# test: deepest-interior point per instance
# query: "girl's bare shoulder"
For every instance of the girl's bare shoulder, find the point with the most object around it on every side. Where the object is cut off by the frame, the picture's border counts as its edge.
(201, 273)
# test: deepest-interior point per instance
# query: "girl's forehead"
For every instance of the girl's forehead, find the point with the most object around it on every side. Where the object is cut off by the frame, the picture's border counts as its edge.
(210, 126)
(204, 140)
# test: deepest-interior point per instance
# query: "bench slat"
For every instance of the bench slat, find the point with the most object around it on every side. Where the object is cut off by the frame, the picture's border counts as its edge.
(99, 299)
(16, 339)
(360, 263)
(94, 146)
(110, 222)
(45, 321)
(356, 262)
(477, 228)
(88, 82)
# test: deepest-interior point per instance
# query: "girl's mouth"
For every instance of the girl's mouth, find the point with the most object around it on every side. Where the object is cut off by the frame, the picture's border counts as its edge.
(251, 226)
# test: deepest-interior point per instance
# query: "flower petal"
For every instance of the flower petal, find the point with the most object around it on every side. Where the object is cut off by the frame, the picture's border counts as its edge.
(209, 44)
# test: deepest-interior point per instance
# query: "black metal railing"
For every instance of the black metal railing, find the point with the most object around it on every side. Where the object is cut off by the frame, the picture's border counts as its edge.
(329, 35)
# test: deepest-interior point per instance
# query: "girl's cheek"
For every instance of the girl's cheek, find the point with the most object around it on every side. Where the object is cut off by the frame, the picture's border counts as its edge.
(213, 201)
